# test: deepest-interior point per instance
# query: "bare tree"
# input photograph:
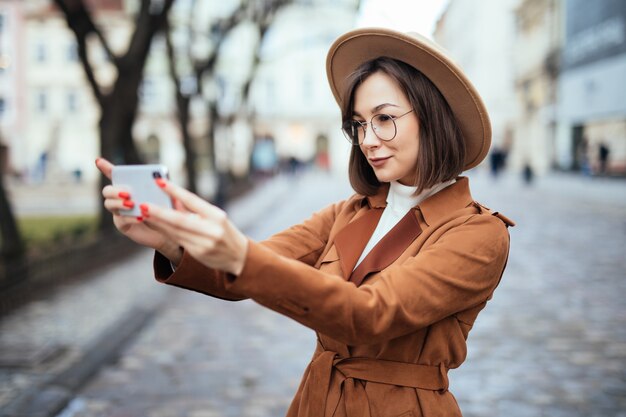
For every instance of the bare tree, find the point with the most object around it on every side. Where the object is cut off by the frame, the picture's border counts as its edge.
(119, 102)
(12, 249)
(260, 13)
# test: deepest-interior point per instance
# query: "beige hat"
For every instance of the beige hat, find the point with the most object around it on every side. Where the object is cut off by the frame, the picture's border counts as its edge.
(358, 46)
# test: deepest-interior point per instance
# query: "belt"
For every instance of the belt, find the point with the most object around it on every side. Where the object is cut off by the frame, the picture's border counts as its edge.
(347, 375)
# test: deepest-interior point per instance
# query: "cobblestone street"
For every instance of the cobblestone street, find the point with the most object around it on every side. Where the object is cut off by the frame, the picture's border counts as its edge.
(551, 343)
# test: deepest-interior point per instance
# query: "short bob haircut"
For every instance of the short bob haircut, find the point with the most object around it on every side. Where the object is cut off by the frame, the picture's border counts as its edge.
(441, 155)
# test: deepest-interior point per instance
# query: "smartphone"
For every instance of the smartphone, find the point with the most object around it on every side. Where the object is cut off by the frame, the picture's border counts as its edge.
(139, 181)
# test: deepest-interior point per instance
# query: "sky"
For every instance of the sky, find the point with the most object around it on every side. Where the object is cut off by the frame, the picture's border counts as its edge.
(404, 15)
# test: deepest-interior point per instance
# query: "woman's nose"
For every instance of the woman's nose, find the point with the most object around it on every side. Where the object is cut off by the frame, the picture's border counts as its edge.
(370, 139)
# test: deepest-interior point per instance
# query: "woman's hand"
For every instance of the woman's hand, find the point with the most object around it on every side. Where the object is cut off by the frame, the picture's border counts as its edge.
(116, 199)
(201, 228)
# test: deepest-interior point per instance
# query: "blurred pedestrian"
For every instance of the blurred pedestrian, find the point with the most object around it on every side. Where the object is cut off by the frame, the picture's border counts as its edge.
(264, 157)
(496, 161)
(603, 156)
(528, 174)
(42, 167)
(392, 278)
(583, 157)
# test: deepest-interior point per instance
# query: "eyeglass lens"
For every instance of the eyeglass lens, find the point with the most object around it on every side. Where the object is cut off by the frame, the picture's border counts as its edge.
(383, 125)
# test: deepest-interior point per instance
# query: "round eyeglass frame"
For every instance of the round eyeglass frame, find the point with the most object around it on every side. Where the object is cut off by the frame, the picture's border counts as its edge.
(363, 126)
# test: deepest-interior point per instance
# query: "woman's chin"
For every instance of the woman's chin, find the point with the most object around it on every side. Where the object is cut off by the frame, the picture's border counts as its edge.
(384, 178)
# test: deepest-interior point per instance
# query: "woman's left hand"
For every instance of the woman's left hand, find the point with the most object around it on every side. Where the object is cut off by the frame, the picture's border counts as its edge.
(202, 229)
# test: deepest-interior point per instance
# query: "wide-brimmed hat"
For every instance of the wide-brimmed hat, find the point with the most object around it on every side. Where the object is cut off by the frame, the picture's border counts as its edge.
(358, 46)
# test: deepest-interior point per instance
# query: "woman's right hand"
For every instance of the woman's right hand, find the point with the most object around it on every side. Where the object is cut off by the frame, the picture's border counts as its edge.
(116, 199)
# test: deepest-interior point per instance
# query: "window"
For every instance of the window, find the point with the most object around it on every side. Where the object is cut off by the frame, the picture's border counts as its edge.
(307, 88)
(147, 91)
(72, 52)
(41, 53)
(270, 94)
(42, 102)
(5, 62)
(72, 102)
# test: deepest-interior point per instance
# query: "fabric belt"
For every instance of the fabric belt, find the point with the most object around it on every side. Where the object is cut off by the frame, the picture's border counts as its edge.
(328, 372)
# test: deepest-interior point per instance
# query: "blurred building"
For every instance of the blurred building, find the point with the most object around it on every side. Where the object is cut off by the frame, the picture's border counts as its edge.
(50, 118)
(11, 80)
(592, 87)
(290, 97)
(536, 61)
(479, 37)
(156, 131)
(48, 115)
(61, 134)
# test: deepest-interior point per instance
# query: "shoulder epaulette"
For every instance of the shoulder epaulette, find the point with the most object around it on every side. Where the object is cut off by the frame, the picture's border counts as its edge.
(506, 220)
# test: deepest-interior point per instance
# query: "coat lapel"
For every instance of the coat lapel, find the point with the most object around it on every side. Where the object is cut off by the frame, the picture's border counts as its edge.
(388, 249)
(351, 240)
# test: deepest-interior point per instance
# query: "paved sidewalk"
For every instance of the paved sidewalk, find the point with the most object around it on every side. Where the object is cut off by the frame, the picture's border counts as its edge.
(552, 342)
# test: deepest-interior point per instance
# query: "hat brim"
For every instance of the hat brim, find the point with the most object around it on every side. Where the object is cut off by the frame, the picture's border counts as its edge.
(358, 46)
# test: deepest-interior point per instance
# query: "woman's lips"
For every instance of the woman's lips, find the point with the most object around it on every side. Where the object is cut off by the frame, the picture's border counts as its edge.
(378, 162)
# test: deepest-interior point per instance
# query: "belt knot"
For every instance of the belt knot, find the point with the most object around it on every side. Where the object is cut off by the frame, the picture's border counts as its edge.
(328, 372)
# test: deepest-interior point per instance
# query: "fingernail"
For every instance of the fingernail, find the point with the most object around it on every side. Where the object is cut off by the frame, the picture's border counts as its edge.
(97, 159)
(140, 219)
(129, 204)
(124, 195)
(161, 182)
(144, 209)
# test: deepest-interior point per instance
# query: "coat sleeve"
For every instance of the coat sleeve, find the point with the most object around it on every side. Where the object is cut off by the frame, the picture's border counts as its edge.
(302, 243)
(458, 271)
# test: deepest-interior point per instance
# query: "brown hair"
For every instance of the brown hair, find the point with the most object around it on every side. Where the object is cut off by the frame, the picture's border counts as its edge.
(441, 152)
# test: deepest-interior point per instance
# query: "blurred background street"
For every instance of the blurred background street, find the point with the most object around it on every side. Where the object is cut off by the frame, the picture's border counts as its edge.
(232, 96)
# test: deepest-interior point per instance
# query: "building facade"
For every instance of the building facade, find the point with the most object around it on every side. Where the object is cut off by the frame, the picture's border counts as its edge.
(480, 40)
(11, 79)
(592, 86)
(290, 96)
(537, 47)
(51, 117)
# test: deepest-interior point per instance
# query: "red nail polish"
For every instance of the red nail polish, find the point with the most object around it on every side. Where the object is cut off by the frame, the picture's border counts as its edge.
(140, 219)
(124, 195)
(161, 182)
(129, 204)
(144, 209)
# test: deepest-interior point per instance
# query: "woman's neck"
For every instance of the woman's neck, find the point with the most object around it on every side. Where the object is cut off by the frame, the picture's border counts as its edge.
(402, 197)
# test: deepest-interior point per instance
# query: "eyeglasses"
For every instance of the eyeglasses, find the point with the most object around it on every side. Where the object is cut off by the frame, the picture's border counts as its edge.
(383, 126)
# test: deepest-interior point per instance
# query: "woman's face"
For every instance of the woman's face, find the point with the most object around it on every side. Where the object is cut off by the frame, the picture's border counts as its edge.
(394, 160)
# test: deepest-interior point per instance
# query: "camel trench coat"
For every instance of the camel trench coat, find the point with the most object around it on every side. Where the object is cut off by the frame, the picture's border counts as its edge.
(389, 330)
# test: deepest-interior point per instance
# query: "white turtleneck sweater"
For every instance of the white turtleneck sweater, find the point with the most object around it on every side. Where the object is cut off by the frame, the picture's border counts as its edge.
(400, 200)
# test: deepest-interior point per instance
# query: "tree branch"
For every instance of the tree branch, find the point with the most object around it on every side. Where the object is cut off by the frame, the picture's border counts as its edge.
(79, 21)
(91, 77)
(219, 30)
(171, 60)
(149, 21)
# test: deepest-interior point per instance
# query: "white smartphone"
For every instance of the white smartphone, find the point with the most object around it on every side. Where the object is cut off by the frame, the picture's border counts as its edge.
(139, 181)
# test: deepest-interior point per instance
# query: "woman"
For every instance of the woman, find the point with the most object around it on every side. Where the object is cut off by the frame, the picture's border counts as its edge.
(391, 279)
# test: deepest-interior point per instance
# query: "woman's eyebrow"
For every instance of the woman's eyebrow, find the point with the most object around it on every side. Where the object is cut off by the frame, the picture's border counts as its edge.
(377, 108)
